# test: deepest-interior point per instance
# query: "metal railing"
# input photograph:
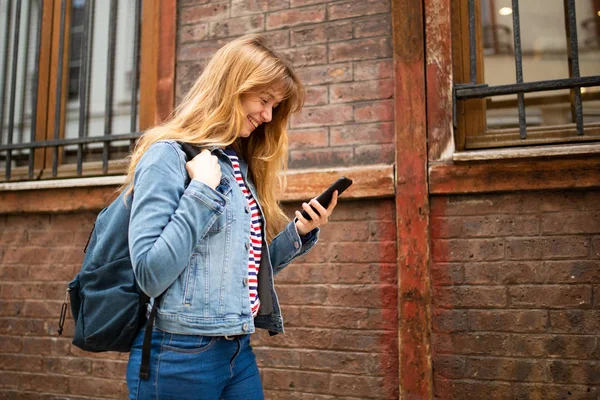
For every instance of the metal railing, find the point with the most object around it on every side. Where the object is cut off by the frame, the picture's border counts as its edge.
(56, 140)
(575, 82)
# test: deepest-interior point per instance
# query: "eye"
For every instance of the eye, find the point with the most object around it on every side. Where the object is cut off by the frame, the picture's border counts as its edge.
(264, 101)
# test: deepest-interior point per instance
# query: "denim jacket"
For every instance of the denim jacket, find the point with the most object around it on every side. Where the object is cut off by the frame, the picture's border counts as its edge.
(190, 244)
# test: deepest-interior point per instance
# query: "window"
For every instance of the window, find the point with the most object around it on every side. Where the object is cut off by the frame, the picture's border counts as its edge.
(526, 73)
(70, 79)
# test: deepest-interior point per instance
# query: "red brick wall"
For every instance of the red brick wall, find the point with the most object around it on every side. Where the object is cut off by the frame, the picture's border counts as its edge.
(516, 295)
(339, 304)
(342, 51)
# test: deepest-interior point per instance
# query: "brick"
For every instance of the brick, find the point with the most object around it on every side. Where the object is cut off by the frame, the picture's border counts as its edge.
(301, 3)
(342, 362)
(317, 95)
(10, 344)
(368, 252)
(374, 111)
(300, 337)
(324, 74)
(596, 247)
(357, 8)
(335, 317)
(555, 346)
(360, 49)
(449, 320)
(41, 309)
(470, 296)
(28, 222)
(356, 134)
(324, 115)
(13, 237)
(61, 273)
(567, 200)
(361, 340)
(443, 274)
(583, 372)
(31, 255)
(346, 273)
(277, 39)
(379, 25)
(309, 55)
(382, 231)
(204, 13)
(506, 369)
(551, 296)
(196, 51)
(310, 382)
(111, 369)
(46, 346)
(50, 238)
(13, 272)
(9, 380)
(361, 386)
(321, 33)
(18, 326)
(468, 250)
(19, 362)
(554, 392)
(486, 226)
(309, 295)
(471, 389)
(575, 321)
(504, 272)
(547, 248)
(189, 71)
(374, 154)
(277, 358)
(360, 91)
(44, 383)
(97, 387)
(345, 232)
(576, 271)
(193, 33)
(296, 16)
(307, 138)
(508, 320)
(373, 69)
(68, 366)
(371, 296)
(448, 366)
(571, 223)
(320, 158)
(245, 7)
(237, 26)
(365, 210)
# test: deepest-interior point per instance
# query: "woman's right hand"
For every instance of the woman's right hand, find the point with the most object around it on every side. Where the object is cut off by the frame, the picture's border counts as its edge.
(205, 168)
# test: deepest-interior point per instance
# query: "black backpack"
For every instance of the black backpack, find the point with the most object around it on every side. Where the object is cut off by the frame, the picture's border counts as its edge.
(107, 305)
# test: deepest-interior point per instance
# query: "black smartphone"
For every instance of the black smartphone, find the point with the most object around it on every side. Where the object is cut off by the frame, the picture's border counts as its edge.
(325, 198)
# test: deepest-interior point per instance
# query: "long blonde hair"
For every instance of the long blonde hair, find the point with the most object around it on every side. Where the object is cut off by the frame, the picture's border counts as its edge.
(211, 115)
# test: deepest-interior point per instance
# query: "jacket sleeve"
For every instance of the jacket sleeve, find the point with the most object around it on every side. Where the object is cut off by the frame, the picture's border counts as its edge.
(288, 245)
(167, 218)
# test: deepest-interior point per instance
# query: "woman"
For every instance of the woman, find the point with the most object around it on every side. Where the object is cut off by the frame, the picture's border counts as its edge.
(206, 234)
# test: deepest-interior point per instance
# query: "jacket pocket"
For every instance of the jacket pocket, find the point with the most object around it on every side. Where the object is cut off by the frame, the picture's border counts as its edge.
(227, 217)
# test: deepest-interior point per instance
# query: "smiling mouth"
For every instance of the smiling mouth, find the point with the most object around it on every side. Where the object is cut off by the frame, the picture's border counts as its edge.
(253, 122)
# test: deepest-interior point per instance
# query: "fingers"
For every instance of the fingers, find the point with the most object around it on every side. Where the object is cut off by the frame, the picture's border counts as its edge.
(320, 209)
(334, 200)
(306, 207)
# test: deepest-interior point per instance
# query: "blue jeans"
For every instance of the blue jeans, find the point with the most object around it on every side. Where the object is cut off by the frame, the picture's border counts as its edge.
(195, 367)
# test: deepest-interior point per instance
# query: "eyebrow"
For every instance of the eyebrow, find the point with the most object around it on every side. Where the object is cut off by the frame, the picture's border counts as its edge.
(273, 97)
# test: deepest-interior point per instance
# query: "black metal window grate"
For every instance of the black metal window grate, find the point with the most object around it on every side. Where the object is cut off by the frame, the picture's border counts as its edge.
(99, 45)
(574, 82)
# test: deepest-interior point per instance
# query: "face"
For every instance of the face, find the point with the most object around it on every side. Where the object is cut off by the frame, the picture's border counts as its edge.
(258, 109)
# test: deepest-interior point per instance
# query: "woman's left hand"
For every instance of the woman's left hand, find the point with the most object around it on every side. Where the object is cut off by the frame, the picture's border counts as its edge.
(319, 219)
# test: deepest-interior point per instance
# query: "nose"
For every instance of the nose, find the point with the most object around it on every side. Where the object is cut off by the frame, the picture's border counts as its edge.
(267, 114)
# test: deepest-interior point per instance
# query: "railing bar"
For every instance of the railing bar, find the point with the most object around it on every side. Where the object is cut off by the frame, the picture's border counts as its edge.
(83, 87)
(472, 43)
(465, 92)
(59, 78)
(75, 141)
(5, 63)
(135, 72)
(88, 62)
(13, 87)
(574, 62)
(35, 87)
(112, 30)
(519, 66)
(26, 62)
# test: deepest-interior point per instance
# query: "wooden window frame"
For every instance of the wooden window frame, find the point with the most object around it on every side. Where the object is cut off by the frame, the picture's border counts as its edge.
(156, 83)
(471, 127)
(451, 170)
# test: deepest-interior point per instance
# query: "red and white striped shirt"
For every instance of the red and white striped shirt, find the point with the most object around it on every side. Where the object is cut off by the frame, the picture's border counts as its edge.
(254, 254)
